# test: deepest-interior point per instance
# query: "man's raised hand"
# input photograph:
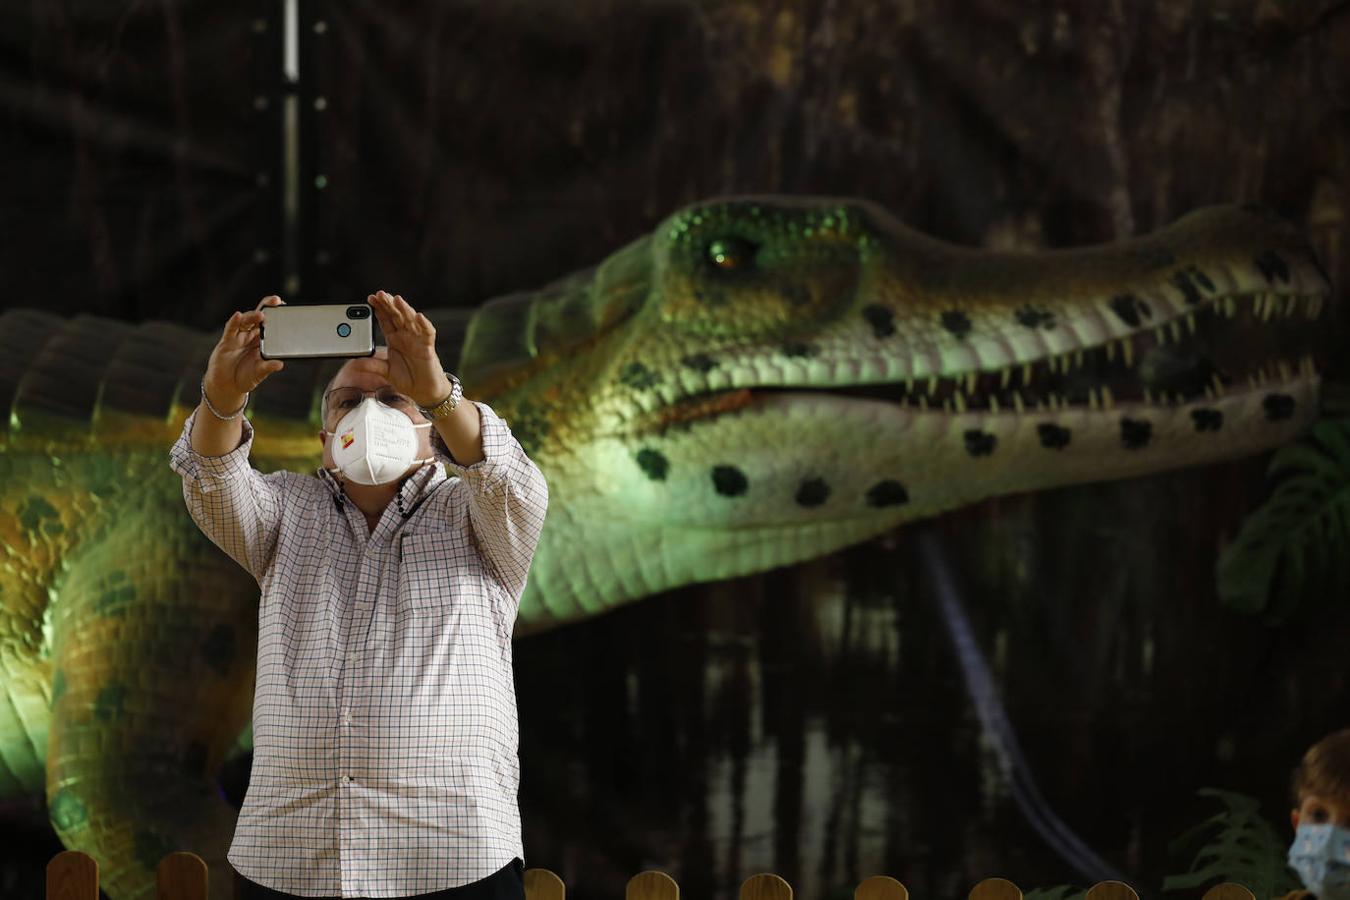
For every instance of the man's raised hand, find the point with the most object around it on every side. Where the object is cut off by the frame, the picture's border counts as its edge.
(236, 366)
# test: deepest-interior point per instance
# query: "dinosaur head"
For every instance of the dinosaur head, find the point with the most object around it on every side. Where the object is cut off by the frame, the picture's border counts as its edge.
(761, 381)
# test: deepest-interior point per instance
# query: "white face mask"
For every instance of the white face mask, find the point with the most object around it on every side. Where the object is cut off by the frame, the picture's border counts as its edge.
(374, 444)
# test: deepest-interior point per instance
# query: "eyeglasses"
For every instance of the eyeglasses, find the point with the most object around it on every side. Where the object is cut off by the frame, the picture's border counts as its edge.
(340, 401)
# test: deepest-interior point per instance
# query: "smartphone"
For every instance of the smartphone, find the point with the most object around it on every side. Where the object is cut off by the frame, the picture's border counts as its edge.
(317, 331)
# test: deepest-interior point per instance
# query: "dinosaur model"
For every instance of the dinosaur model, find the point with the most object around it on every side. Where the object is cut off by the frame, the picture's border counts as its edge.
(759, 381)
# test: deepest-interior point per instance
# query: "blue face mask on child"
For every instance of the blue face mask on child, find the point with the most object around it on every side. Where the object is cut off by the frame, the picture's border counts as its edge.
(1320, 855)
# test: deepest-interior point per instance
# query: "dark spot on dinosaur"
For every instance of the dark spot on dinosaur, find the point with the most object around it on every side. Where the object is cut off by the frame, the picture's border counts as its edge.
(957, 322)
(1182, 281)
(58, 686)
(529, 426)
(700, 362)
(796, 294)
(638, 376)
(709, 295)
(1054, 437)
(115, 595)
(67, 811)
(1032, 317)
(813, 492)
(1156, 257)
(797, 349)
(654, 463)
(887, 493)
(729, 481)
(980, 443)
(1207, 419)
(1130, 309)
(1272, 266)
(219, 649)
(149, 847)
(34, 510)
(110, 703)
(1278, 406)
(1135, 433)
(194, 759)
(881, 319)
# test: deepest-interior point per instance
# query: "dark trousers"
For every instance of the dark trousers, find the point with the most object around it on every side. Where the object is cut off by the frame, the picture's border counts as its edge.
(507, 883)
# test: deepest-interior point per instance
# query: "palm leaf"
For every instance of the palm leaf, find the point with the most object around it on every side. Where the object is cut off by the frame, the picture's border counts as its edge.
(1294, 547)
(1239, 845)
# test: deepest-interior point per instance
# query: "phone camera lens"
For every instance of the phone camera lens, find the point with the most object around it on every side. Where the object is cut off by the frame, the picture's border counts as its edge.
(358, 312)
(344, 330)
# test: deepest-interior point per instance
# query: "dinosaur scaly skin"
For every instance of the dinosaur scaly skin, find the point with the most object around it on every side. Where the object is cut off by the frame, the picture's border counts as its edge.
(758, 382)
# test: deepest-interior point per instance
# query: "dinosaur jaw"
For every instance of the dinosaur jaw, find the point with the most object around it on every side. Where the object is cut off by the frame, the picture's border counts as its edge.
(1261, 342)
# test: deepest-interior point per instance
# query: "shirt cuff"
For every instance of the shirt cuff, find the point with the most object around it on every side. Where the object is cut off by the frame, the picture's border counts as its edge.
(210, 472)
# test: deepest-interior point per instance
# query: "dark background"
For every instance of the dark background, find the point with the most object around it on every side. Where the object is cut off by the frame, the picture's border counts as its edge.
(809, 721)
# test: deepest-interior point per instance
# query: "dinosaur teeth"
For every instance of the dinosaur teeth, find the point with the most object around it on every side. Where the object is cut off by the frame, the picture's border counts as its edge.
(1286, 374)
(1209, 393)
(1018, 404)
(1005, 376)
(1026, 373)
(960, 399)
(1092, 399)
(971, 378)
(1110, 351)
(1216, 384)
(1108, 401)
(1160, 335)
(1148, 396)
(993, 404)
(1175, 328)
(1190, 323)
(1127, 351)
(1078, 358)
(932, 384)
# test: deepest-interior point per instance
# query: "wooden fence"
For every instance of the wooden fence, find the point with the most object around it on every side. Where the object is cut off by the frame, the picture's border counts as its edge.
(73, 875)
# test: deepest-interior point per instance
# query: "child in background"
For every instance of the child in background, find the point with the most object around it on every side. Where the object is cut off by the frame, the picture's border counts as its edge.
(1320, 853)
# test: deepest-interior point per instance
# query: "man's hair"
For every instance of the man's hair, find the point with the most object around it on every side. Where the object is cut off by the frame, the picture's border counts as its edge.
(1325, 769)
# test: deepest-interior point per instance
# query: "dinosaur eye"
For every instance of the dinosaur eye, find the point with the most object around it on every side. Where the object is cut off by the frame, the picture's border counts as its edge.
(731, 254)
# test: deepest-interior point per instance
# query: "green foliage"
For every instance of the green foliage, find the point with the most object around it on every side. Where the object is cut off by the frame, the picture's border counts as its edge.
(1293, 548)
(1239, 846)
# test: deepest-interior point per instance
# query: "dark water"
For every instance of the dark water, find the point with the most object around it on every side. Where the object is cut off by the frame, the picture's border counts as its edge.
(813, 721)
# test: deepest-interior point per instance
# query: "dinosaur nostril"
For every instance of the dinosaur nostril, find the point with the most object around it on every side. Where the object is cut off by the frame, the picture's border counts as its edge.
(731, 254)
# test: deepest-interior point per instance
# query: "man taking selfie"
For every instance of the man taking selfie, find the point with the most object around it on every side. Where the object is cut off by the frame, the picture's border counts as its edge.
(384, 717)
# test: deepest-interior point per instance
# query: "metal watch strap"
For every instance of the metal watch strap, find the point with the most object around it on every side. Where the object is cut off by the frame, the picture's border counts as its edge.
(445, 407)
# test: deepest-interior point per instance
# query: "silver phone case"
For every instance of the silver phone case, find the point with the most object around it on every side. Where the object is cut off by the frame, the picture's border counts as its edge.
(311, 332)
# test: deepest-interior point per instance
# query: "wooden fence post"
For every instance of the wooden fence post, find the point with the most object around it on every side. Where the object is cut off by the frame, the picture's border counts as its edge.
(181, 876)
(72, 875)
(1111, 890)
(1228, 891)
(880, 887)
(541, 884)
(765, 886)
(995, 889)
(652, 885)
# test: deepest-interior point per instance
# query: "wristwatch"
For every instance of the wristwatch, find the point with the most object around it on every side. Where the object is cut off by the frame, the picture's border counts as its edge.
(445, 407)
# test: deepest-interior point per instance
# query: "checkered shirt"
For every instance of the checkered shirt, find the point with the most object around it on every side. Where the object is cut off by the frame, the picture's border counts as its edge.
(384, 718)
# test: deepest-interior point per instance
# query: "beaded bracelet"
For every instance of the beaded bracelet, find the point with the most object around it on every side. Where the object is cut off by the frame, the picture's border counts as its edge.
(215, 412)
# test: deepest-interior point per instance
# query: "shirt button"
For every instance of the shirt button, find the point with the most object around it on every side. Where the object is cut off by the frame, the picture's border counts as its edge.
(346, 779)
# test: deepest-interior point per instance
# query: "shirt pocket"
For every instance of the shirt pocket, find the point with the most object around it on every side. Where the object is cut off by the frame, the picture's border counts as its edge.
(437, 571)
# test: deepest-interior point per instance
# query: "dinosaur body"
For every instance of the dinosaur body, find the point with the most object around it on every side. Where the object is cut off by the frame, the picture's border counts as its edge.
(758, 382)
